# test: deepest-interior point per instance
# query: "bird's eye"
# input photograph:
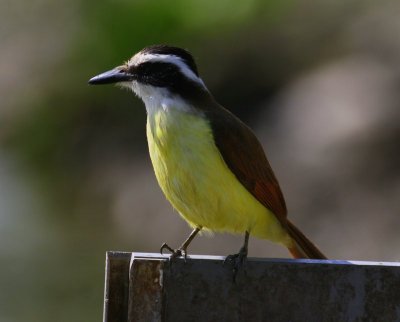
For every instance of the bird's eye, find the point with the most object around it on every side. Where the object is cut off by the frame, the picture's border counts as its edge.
(129, 69)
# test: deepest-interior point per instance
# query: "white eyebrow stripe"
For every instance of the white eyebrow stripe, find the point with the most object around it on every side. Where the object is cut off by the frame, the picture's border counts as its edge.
(173, 60)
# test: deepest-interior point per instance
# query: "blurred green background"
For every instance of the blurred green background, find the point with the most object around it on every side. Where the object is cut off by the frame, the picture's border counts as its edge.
(318, 81)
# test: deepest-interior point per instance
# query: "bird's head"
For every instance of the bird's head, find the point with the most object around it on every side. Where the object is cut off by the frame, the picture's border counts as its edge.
(157, 72)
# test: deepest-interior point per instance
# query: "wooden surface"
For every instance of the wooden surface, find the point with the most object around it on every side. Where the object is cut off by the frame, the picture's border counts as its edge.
(147, 287)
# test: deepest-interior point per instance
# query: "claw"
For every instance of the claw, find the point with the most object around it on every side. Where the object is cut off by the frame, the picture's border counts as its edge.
(184, 254)
(237, 261)
(165, 246)
(174, 252)
(182, 250)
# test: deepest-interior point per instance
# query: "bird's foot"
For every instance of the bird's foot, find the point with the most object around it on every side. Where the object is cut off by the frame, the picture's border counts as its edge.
(175, 253)
(237, 261)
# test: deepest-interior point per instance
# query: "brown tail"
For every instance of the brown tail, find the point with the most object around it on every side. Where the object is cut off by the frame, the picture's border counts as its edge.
(302, 246)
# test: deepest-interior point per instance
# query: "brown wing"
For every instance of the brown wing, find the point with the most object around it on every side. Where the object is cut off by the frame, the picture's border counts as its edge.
(245, 157)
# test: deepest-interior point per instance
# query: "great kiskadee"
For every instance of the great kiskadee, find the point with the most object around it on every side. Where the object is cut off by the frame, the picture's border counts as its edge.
(208, 163)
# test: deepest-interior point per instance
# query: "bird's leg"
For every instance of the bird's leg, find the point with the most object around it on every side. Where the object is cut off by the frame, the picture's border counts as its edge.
(238, 259)
(182, 250)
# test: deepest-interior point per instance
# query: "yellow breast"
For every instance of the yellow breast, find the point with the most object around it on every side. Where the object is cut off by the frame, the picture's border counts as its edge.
(196, 180)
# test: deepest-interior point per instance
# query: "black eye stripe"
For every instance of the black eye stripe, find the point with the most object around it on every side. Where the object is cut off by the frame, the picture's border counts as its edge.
(161, 74)
(170, 76)
(174, 51)
(156, 68)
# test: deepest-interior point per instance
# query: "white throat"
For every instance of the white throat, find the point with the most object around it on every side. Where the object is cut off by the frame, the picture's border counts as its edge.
(157, 98)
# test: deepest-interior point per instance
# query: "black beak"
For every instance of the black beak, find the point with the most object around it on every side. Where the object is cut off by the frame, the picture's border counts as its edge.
(115, 75)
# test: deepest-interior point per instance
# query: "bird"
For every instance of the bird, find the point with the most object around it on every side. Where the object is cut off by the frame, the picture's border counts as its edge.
(209, 164)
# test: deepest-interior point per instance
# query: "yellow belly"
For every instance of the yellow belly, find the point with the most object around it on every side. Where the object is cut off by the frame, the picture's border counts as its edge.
(197, 182)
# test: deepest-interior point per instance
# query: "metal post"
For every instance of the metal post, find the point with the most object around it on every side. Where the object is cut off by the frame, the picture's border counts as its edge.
(147, 287)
